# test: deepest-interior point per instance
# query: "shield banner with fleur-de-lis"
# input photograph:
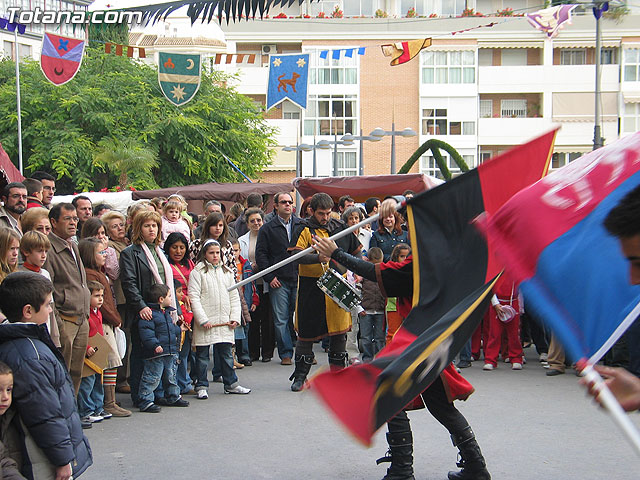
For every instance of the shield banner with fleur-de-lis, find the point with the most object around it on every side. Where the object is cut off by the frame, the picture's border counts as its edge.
(179, 76)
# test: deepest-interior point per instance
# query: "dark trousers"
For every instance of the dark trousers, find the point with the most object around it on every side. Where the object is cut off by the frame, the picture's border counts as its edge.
(261, 331)
(439, 406)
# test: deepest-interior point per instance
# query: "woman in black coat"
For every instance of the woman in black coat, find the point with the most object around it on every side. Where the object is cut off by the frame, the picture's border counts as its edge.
(136, 277)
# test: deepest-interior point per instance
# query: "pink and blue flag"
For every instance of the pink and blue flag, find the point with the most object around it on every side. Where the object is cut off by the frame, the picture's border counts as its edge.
(551, 238)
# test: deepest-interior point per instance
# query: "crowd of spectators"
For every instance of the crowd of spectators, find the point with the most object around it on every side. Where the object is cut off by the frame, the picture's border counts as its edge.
(137, 303)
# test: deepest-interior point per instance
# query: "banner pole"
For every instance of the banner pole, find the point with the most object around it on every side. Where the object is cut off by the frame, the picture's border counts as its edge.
(619, 416)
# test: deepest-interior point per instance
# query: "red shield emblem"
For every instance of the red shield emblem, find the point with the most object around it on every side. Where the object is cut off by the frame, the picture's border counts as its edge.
(61, 57)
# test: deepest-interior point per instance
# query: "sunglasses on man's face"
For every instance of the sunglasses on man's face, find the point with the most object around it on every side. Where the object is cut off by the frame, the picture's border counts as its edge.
(286, 202)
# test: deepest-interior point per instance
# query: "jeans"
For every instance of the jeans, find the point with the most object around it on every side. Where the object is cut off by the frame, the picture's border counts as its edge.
(90, 395)
(222, 357)
(182, 375)
(372, 335)
(283, 304)
(156, 370)
(465, 353)
(242, 345)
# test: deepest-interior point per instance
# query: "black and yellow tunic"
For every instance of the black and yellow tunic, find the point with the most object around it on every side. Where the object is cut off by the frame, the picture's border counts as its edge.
(316, 314)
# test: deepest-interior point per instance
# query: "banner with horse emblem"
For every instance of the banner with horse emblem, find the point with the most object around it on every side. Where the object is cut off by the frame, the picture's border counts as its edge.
(179, 76)
(288, 79)
(60, 57)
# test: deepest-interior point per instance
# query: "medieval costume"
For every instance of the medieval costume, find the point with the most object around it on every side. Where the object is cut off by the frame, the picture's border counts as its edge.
(396, 279)
(316, 314)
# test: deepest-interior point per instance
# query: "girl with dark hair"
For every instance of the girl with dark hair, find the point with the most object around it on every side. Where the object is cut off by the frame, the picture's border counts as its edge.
(215, 228)
(176, 248)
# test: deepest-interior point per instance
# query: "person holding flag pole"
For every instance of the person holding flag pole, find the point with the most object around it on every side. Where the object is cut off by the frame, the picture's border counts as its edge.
(437, 397)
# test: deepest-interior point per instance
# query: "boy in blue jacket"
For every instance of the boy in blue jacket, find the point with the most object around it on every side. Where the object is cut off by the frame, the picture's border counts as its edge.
(160, 339)
(54, 446)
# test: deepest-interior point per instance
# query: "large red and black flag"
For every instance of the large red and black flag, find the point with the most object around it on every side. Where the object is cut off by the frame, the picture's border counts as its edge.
(452, 273)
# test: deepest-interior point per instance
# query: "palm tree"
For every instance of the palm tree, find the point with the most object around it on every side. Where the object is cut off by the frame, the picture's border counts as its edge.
(207, 9)
(122, 157)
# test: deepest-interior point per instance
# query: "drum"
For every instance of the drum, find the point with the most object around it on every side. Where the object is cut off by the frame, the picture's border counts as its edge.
(336, 287)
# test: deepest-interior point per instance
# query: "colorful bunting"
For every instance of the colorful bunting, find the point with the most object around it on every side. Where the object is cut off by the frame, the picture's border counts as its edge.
(551, 20)
(336, 54)
(7, 25)
(240, 58)
(402, 52)
(119, 50)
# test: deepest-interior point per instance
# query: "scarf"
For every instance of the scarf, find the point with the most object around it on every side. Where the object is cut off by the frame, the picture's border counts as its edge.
(168, 280)
(333, 226)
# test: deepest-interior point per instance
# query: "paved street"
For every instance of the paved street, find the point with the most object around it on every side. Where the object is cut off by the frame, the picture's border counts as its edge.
(530, 427)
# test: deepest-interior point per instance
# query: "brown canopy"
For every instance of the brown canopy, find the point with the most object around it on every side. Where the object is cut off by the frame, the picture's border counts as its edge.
(223, 192)
(362, 187)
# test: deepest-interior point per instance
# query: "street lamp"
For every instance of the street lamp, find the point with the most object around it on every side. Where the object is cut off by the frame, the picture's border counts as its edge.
(362, 138)
(379, 132)
(326, 145)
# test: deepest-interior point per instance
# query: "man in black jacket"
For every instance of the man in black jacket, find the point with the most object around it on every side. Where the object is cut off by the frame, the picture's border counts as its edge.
(271, 248)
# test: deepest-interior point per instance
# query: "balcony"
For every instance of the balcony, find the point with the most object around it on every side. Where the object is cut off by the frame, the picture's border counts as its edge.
(528, 78)
(287, 135)
(252, 80)
(510, 131)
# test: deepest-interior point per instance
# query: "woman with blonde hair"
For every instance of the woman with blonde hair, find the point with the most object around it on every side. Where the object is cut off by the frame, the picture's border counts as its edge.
(142, 265)
(36, 218)
(9, 251)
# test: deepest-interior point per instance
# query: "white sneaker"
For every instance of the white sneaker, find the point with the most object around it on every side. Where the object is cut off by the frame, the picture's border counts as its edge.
(93, 418)
(516, 366)
(507, 360)
(202, 395)
(544, 357)
(488, 367)
(238, 389)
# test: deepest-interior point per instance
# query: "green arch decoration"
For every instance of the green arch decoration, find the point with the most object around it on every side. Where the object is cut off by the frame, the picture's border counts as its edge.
(435, 146)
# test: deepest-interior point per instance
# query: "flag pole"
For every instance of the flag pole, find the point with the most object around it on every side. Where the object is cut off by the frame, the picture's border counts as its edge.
(293, 258)
(620, 418)
(15, 36)
(615, 336)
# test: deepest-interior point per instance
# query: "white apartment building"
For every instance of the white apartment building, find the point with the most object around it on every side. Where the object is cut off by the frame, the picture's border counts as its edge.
(482, 90)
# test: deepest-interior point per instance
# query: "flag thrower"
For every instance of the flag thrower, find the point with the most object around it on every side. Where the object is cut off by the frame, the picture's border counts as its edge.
(293, 258)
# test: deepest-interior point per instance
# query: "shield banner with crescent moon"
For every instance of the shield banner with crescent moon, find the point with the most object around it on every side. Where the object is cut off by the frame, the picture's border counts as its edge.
(179, 76)
(60, 57)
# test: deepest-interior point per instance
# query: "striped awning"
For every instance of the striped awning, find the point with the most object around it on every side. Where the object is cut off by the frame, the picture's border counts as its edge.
(512, 44)
(631, 97)
(584, 43)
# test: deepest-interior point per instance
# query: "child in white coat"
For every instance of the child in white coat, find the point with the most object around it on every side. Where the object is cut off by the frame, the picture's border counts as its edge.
(216, 313)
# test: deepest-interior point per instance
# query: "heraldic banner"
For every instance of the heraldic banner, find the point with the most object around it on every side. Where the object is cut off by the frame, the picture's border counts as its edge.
(60, 57)
(288, 79)
(179, 76)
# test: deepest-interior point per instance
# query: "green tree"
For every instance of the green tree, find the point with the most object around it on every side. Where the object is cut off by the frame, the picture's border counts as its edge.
(128, 157)
(119, 99)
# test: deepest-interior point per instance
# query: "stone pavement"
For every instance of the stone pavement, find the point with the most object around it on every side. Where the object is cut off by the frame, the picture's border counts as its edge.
(529, 426)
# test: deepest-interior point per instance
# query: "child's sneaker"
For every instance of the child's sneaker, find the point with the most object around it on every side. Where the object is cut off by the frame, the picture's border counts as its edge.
(238, 389)
(150, 408)
(202, 395)
(516, 366)
(103, 414)
(92, 418)
(488, 367)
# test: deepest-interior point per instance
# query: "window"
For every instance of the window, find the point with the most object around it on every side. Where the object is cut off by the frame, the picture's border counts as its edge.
(347, 164)
(608, 56)
(429, 166)
(631, 118)
(484, 156)
(327, 71)
(325, 6)
(577, 56)
(486, 108)
(514, 57)
(7, 51)
(559, 160)
(434, 122)
(449, 67)
(331, 114)
(24, 50)
(513, 108)
(632, 65)
(453, 7)
(364, 8)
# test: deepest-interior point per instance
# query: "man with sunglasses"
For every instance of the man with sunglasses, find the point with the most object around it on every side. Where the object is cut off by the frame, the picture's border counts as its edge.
(271, 247)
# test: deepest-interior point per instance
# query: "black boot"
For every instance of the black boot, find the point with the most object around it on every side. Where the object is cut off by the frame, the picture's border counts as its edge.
(299, 375)
(400, 455)
(338, 360)
(471, 459)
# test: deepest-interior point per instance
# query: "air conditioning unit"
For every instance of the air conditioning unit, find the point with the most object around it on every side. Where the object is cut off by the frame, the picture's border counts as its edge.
(268, 49)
